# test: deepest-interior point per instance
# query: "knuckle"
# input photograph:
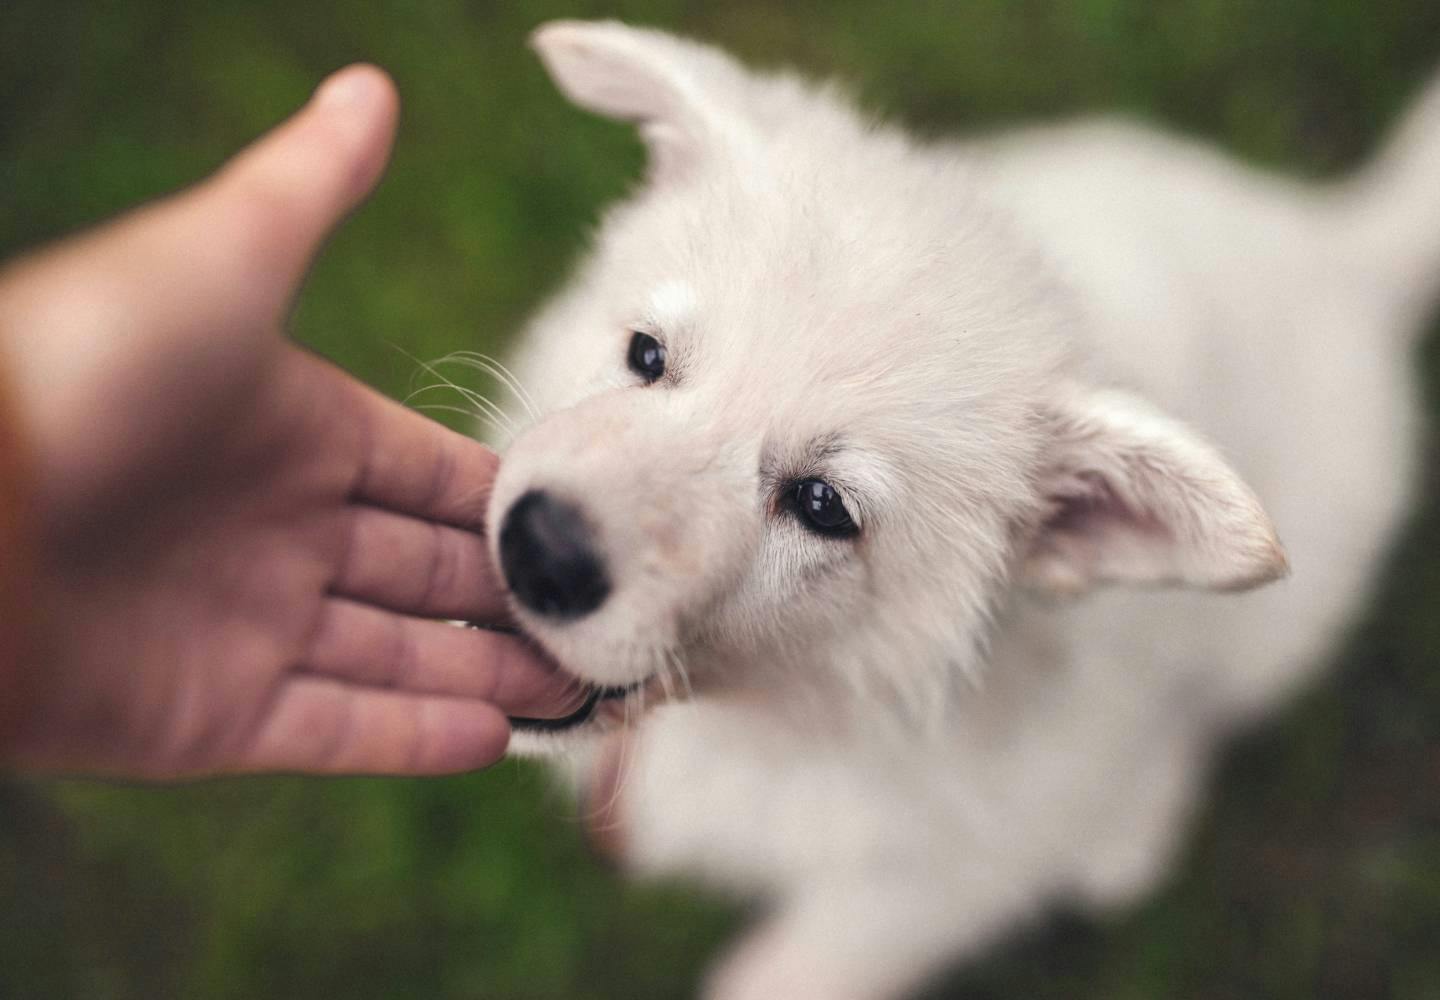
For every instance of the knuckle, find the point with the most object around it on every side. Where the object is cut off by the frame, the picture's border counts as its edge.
(351, 542)
(441, 478)
(399, 663)
(500, 667)
(440, 570)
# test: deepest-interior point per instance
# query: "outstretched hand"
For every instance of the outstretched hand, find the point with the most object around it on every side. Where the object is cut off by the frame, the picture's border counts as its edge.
(243, 550)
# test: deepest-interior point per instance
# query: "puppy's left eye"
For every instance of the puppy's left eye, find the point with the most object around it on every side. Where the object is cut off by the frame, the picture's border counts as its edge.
(822, 510)
(646, 357)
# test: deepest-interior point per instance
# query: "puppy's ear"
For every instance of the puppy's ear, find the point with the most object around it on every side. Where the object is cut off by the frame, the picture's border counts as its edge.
(669, 87)
(1135, 497)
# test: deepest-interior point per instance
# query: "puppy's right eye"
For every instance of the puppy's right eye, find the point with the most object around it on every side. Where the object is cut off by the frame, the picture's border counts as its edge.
(822, 510)
(646, 357)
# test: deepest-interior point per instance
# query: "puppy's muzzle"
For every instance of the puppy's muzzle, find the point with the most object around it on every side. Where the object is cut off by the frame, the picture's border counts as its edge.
(549, 558)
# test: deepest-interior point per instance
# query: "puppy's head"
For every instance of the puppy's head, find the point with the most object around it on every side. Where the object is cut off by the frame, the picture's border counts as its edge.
(811, 408)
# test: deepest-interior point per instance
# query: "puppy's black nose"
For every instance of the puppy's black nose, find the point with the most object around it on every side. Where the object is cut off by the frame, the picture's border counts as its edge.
(548, 558)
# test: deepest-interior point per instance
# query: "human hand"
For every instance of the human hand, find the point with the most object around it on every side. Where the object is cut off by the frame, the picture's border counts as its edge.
(242, 549)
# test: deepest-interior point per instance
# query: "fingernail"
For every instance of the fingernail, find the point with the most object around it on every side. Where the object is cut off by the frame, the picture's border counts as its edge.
(349, 88)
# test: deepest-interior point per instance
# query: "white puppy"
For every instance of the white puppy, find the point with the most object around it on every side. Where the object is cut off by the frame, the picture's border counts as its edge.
(834, 429)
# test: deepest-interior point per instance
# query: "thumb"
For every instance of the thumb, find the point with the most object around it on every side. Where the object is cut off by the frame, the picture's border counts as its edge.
(148, 319)
(284, 194)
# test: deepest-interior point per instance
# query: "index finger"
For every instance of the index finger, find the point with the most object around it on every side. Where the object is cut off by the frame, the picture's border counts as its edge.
(375, 648)
(413, 465)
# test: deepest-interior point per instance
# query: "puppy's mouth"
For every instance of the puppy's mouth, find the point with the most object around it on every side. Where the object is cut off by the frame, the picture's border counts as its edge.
(598, 696)
(601, 700)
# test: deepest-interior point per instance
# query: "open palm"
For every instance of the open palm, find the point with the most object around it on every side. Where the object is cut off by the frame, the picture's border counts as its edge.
(244, 550)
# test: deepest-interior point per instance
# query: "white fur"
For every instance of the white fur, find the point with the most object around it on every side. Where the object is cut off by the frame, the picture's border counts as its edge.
(901, 741)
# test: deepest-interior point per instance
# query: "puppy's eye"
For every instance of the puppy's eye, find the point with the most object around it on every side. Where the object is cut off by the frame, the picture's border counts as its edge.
(646, 357)
(822, 510)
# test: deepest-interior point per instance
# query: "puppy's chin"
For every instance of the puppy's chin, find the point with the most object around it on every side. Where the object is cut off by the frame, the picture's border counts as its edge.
(605, 709)
(621, 681)
(534, 743)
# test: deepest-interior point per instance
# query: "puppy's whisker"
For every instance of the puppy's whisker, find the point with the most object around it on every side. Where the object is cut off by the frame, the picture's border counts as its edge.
(493, 373)
(492, 367)
(472, 414)
(682, 672)
(661, 671)
(622, 778)
(512, 379)
(481, 404)
(496, 413)
(669, 679)
(640, 702)
(479, 400)
(622, 775)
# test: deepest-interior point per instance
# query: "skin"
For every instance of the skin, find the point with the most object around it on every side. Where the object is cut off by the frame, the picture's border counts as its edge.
(242, 550)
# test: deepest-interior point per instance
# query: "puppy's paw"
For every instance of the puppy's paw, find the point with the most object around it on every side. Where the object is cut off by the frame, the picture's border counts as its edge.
(770, 964)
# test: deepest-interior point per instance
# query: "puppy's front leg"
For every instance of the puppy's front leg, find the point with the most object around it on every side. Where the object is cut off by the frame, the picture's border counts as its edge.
(865, 939)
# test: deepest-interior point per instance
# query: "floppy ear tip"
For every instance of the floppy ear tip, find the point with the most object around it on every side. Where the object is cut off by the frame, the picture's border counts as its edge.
(1064, 570)
(581, 62)
(557, 38)
(553, 38)
(1257, 560)
(606, 67)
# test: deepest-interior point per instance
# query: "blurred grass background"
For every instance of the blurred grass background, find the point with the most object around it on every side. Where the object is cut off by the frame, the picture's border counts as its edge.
(1315, 871)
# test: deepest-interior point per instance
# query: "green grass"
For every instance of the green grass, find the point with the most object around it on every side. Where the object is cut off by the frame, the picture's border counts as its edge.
(1314, 872)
